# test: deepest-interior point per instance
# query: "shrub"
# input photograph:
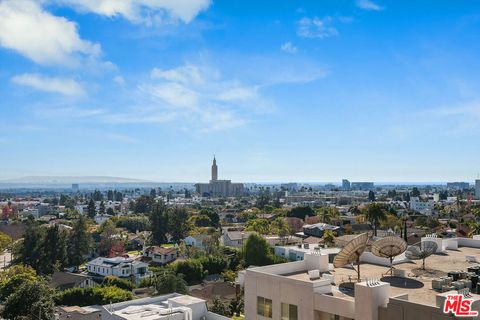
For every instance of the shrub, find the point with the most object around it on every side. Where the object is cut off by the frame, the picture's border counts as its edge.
(118, 282)
(191, 269)
(90, 296)
(213, 264)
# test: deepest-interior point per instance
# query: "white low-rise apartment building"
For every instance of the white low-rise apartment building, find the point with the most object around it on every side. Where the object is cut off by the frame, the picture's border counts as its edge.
(424, 207)
(297, 252)
(118, 267)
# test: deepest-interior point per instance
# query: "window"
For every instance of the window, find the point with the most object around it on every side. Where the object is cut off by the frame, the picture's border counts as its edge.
(264, 307)
(289, 312)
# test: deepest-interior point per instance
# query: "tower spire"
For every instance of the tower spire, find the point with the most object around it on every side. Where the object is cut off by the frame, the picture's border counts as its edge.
(214, 169)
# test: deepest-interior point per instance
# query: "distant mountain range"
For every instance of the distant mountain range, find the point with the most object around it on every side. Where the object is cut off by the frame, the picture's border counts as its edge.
(70, 179)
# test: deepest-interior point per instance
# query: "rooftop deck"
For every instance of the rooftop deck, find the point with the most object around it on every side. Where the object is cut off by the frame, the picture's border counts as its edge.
(418, 284)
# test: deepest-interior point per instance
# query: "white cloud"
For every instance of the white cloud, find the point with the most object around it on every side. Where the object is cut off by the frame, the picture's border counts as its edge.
(142, 11)
(120, 138)
(195, 96)
(40, 36)
(65, 86)
(187, 74)
(119, 80)
(368, 5)
(288, 47)
(316, 27)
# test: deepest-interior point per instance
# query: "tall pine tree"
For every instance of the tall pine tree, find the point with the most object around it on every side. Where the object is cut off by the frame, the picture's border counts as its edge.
(159, 221)
(91, 209)
(79, 244)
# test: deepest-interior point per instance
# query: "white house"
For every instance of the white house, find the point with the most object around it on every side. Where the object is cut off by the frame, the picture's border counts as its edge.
(197, 241)
(66, 280)
(160, 255)
(101, 218)
(234, 238)
(119, 267)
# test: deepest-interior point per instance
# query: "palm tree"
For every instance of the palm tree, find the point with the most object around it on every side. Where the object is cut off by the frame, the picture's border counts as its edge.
(374, 212)
(474, 229)
(327, 214)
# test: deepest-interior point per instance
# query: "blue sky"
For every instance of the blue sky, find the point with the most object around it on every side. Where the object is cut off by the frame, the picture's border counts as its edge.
(278, 90)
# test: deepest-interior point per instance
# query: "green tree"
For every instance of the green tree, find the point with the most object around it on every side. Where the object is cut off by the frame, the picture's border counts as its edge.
(97, 196)
(13, 277)
(301, 212)
(236, 306)
(374, 213)
(153, 193)
(176, 223)
(192, 270)
(144, 204)
(219, 307)
(124, 284)
(256, 251)
(101, 209)
(5, 241)
(328, 214)
(329, 237)
(88, 296)
(201, 220)
(79, 244)
(54, 250)
(280, 227)
(30, 251)
(474, 229)
(212, 215)
(168, 282)
(31, 301)
(91, 211)
(261, 226)
(111, 211)
(159, 222)
(108, 237)
(118, 196)
(415, 192)
(371, 195)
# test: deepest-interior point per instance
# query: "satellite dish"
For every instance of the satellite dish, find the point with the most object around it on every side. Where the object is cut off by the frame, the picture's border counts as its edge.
(421, 251)
(389, 247)
(352, 252)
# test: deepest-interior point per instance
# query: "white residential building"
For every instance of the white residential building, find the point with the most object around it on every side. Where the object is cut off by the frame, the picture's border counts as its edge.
(172, 306)
(118, 267)
(168, 307)
(197, 241)
(234, 238)
(101, 218)
(160, 255)
(297, 253)
(424, 207)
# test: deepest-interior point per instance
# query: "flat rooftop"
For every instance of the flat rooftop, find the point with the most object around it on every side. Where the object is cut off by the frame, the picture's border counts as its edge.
(418, 284)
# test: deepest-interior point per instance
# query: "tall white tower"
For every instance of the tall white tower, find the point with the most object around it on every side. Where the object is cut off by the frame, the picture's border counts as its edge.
(214, 169)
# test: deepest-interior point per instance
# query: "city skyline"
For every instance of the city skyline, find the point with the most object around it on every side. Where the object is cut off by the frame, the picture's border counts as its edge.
(363, 90)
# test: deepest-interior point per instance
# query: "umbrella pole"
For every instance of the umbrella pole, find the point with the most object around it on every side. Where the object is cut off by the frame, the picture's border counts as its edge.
(391, 266)
(358, 269)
